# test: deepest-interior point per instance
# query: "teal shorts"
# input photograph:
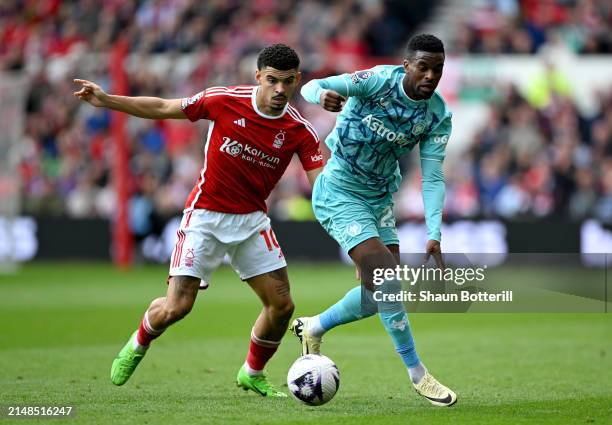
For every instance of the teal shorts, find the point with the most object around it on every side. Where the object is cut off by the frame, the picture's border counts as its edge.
(350, 217)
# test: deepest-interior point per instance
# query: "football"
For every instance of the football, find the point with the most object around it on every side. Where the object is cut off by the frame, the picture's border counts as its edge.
(313, 379)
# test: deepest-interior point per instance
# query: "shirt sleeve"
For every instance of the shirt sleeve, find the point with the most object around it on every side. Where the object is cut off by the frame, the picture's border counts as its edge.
(309, 150)
(203, 105)
(358, 84)
(432, 153)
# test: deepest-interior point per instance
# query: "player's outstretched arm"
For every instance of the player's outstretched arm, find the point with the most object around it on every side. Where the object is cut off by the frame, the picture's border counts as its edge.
(330, 93)
(143, 107)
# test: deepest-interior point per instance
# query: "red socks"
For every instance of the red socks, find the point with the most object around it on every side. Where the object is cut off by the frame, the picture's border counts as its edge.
(146, 333)
(260, 351)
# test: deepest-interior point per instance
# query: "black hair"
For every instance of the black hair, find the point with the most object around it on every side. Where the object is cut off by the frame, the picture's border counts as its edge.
(278, 56)
(424, 43)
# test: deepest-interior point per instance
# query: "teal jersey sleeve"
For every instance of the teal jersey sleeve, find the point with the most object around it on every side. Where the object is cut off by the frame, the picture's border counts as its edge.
(432, 152)
(358, 84)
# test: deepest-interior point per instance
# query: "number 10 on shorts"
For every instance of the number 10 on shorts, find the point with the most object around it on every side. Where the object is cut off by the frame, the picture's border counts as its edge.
(270, 239)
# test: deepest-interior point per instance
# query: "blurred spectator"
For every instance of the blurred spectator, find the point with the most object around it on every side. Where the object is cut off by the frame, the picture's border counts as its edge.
(528, 163)
(33, 32)
(547, 84)
(526, 26)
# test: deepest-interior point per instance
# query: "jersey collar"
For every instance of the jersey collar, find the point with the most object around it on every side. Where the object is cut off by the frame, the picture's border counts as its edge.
(254, 102)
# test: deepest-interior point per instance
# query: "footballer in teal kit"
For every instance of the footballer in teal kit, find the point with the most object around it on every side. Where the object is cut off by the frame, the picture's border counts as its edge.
(385, 112)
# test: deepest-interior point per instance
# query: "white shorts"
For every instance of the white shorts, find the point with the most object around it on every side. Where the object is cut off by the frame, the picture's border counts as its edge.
(205, 237)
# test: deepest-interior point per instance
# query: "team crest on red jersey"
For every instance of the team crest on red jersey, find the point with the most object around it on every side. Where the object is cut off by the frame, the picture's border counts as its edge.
(279, 139)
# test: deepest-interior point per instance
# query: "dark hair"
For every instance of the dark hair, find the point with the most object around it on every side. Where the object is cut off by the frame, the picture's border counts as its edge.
(425, 43)
(278, 56)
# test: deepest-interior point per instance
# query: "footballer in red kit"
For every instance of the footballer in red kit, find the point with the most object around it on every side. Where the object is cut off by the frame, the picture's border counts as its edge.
(252, 137)
(245, 155)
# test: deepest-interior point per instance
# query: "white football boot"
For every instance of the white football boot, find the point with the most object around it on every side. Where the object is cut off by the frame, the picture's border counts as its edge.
(310, 344)
(435, 392)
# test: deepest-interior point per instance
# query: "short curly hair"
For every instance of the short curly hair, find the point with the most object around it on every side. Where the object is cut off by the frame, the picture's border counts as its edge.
(278, 56)
(424, 43)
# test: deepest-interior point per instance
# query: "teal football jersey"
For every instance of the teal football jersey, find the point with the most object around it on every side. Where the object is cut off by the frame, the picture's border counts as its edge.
(378, 124)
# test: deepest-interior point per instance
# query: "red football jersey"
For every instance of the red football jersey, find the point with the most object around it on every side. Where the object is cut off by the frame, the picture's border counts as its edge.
(246, 151)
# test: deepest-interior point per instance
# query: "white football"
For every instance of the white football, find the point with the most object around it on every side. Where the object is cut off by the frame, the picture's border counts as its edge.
(313, 379)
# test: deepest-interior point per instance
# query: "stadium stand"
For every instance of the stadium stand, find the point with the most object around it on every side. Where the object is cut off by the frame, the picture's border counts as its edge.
(537, 156)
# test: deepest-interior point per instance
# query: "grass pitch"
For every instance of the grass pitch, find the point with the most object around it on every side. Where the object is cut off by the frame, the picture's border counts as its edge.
(62, 324)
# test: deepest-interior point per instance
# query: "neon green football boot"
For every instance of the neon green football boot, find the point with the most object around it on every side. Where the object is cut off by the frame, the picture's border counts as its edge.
(258, 383)
(125, 363)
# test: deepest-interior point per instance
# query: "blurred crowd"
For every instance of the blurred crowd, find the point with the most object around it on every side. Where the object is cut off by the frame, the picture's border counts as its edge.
(533, 158)
(329, 34)
(529, 162)
(526, 26)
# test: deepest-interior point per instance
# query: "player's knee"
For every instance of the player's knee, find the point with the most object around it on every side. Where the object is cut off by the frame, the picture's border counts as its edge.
(288, 309)
(283, 310)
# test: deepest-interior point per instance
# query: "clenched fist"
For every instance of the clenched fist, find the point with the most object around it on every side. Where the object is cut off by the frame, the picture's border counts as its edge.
(332, 101)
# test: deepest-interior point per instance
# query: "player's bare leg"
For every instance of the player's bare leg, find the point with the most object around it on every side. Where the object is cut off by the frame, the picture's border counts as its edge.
(164, 311)
(273, 290)
(178, 302)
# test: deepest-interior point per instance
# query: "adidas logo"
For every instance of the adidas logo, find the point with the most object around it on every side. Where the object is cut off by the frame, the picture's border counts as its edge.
(241, 122)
